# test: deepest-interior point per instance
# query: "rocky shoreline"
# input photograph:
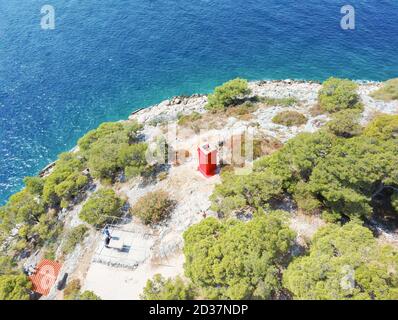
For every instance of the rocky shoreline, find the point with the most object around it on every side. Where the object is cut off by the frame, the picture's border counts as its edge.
(271, 88)
(169, 109)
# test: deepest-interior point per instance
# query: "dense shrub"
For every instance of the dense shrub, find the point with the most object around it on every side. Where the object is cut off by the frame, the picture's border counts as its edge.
(290, 118)
(110, 155)
(384, 127)
(65, 182)
(48, 227)
(345, 123)
(236, 192)
(354, 173)
(106, 129)
(237, 260)
(102, 207)
(73, 238)
(35, 225)
(114, 148)
(132, 159)
(227, 94)
(14, 287)
(388, 92)
(306, 201)
(322, 172)
(344, 263)
(296, 160)
(7, 265)
(23, 207)
(160, 288)
(153, 207)
(34, 185)
(338, 94)
(49, 252)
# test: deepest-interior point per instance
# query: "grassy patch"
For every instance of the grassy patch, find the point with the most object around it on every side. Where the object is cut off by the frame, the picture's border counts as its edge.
(242, 111)
(388, 92)
(282, 102)
(187, 119)
(316, 110)
(290, 118)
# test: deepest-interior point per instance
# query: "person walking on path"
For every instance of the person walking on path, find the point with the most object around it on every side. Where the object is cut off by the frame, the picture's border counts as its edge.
(107, 241)
(108, 236)
(107, 233)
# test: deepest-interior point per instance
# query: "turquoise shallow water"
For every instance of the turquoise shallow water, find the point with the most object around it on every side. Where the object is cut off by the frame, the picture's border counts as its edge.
(106, 58)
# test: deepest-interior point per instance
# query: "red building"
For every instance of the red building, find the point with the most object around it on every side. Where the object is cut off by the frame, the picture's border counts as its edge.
(207, 160)
(45, 276)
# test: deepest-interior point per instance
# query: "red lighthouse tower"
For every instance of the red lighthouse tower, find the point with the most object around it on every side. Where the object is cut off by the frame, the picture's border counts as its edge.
(207, 160)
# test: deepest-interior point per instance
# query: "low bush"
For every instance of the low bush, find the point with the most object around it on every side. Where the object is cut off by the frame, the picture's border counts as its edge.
(338, 94)
(160, 288)
(50, 252)
(153, 207)
(388, 92)
(289, 118)
(88, 295)
(72, 290)
(227, 94)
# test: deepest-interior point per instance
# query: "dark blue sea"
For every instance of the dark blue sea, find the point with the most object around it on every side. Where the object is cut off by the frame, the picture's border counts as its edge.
(106, 58)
